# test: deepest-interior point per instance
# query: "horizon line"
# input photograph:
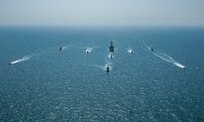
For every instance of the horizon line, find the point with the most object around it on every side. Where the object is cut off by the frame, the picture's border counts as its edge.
(100, 25)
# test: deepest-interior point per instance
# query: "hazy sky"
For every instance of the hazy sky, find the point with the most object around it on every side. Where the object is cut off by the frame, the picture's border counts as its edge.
(103, 12)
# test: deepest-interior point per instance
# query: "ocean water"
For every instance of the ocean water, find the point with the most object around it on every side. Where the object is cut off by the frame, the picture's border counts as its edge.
(45, 84)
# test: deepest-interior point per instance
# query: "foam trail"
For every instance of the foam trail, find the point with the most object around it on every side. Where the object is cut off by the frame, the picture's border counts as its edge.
(130, 50)
(89, 49)
(107, 65)
(25, 58)
(66, 46)
(148, 47)
(103, 67)
(169, 59)
(110, 55)
(179, 65)
(165, 57)
(21, 60)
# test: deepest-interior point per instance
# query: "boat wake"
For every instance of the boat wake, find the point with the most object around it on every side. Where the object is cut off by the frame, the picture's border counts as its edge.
(165, 57)
(104, 67)
(89, 49)
(107, 65)
(169, 59)
(130, 50)
(110, 56)
(25, 58)
(66, 46)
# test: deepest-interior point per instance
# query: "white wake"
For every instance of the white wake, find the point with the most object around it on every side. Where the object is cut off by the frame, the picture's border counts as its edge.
(169, 59)
(166, 58)
(89, 49)
(21, 60)
(110, 55)
(130, 50)
(25, 58)
(66, 46)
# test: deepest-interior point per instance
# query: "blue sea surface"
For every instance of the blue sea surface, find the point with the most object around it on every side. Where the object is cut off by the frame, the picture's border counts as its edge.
(45, 84)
